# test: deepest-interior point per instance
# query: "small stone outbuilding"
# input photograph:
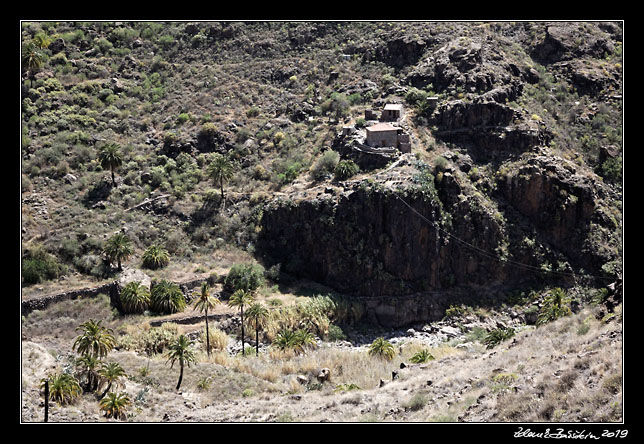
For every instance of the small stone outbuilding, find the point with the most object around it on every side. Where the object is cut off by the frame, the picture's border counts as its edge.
(392, 112)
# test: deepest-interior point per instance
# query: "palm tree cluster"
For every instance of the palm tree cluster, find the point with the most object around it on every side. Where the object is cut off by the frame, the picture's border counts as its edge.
(32, 55)
(135, 298)
(93, 344)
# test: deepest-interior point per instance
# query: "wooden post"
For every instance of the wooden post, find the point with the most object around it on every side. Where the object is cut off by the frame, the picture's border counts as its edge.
(46, 399)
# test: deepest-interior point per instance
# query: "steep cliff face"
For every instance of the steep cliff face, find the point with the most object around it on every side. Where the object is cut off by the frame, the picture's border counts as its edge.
(397, 235)
(568, 208)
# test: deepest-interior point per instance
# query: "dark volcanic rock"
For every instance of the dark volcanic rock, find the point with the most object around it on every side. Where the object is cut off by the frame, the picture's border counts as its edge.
(490, 128)
(373, 234)
(568, 40)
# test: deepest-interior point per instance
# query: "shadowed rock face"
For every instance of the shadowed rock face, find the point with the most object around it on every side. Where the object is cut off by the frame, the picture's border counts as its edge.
(368, 242)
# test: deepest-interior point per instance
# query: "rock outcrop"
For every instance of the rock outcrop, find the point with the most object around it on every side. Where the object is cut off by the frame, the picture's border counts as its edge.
(402, 237)
(489, 128)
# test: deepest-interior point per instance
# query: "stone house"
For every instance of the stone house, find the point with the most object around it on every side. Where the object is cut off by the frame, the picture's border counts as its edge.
(392, 112)
(384, 134)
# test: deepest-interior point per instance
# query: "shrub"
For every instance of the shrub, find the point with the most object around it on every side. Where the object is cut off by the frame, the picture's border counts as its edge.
(247, 277)
(336, 333)
(325, 165)
(252, 112)
(440, 163)
(497, 336)
(417, 402)
(183, 118)
(218, 339)
(40, 266)
(345, 169)
(337, 105)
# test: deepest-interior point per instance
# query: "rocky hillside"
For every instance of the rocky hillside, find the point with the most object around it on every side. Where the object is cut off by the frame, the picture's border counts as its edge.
(513, 184)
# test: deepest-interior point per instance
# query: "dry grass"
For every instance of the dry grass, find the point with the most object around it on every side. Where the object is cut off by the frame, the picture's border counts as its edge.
(568, 370)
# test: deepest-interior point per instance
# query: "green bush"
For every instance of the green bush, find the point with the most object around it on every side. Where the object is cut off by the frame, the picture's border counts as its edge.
(40, 266)
(247, 277)
(325, 165)
(345, 169)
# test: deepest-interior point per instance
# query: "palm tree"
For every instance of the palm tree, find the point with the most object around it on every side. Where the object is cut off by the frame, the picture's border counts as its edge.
(383, 348)
(166, 297)
(115, 405)
(109, 374)
(422, 356)
(297, 340)
(303, 340)
(32, 60)
(556, 305)
(239, 299)
(181, 350)
(285, 339)
(110, 158)
(135, 298)
(203, 303)
(220, 169)
(118, 248)
(257, 314)
(63, 388)
(155, 256)
(41, 40)
(96, 340)
(88, 364)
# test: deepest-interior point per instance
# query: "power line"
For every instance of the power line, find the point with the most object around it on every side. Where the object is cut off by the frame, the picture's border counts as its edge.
(491, 255)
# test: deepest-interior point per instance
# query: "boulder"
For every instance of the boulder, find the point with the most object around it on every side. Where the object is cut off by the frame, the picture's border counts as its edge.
(133, 275)
(302, 379)
(57, 46)
(324, 375)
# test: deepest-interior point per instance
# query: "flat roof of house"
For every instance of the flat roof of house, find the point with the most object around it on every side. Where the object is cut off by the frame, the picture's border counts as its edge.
(393, 106)
(382, 126)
